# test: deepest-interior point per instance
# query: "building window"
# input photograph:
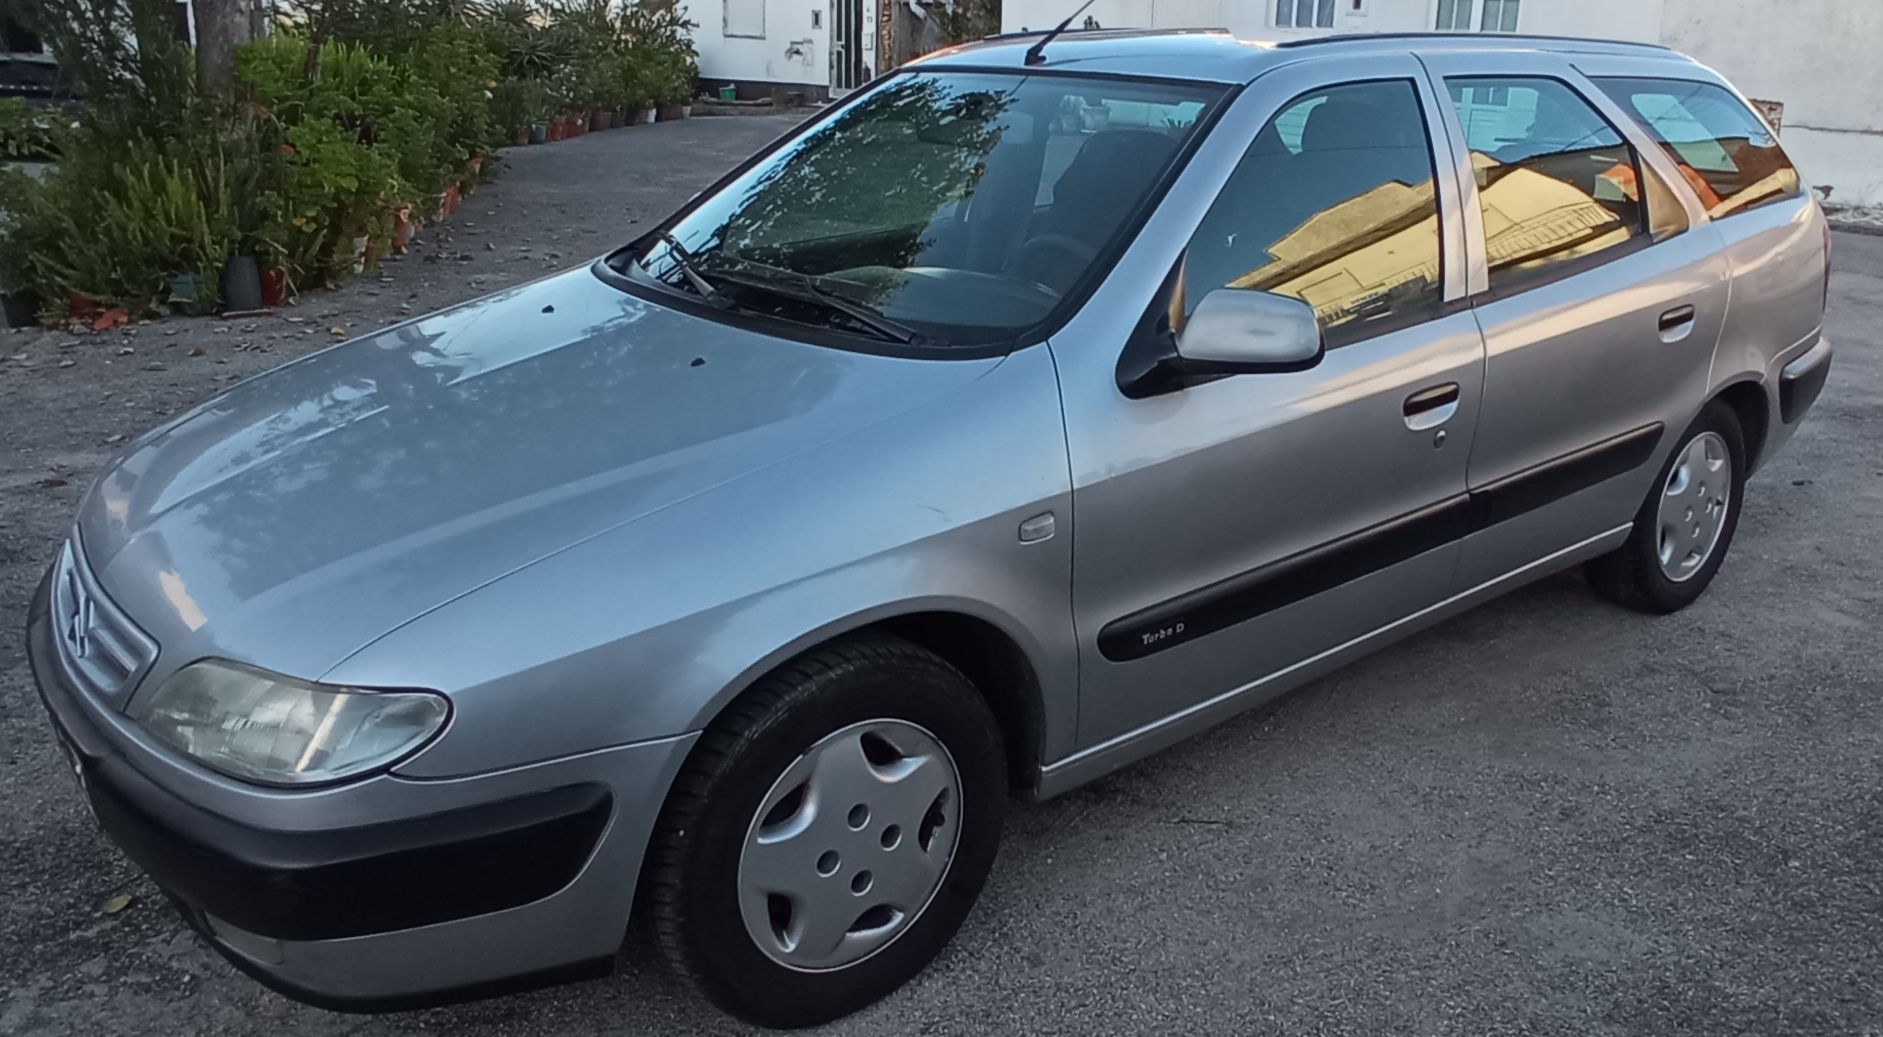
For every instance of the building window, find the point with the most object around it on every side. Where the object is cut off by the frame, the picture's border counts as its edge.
(1304, 14)
(1455, 15)
(1499, 16)
(744, 18)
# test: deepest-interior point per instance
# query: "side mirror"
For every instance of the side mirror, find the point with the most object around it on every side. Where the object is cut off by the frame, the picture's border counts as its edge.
(1243, 331)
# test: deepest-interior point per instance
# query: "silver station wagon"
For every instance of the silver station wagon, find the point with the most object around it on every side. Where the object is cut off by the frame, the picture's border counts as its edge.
(1041, 404)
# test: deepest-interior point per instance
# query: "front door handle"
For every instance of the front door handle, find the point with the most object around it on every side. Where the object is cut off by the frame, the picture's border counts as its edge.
(1431, 407)
(1676, 324)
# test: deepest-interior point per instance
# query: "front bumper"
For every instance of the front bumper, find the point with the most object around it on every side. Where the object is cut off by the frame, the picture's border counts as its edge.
(510, 880)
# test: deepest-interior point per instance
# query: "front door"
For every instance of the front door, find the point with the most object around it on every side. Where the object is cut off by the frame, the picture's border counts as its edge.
(1601, 293)
(1233, 529)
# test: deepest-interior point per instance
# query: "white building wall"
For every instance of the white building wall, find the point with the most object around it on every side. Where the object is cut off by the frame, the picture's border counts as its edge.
(795, 46)
(1821, 60)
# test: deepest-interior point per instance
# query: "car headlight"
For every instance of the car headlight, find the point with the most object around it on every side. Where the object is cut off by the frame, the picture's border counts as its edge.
(273, 729)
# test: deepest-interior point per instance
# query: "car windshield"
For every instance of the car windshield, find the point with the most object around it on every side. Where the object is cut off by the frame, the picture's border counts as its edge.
(941, 209)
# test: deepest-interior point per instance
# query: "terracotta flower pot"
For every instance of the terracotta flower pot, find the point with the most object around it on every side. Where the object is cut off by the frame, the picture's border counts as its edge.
(519, 136)
(275, 286)
(669, 112)
(401, 228)
(477, 164)
(557, 128)
(449, 202)
(81, 307)
(598, 120)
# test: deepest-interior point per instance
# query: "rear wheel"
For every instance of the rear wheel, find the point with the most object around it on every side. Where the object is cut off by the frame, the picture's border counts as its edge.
(829, 833)
(1683, 530)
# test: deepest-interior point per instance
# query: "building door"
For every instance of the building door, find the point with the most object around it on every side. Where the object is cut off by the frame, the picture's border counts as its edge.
(847, 68)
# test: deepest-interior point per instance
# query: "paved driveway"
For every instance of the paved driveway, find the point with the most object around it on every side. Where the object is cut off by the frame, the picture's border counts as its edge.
(1546, 816)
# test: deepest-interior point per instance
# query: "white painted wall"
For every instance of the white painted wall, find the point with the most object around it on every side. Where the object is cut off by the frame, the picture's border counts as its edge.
(795, 46)
(1255, 19)
(1820, 59)
(791, 51)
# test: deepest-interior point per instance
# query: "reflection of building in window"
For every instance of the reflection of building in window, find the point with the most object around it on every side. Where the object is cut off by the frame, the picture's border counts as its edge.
(1357, 258)
(1530, 217)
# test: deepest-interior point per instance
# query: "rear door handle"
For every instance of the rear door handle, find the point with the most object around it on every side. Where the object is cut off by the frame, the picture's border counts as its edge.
(1676, 323)
(1431, 407)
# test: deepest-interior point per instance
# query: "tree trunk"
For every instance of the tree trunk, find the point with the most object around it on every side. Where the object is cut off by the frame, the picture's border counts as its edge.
(221, 25)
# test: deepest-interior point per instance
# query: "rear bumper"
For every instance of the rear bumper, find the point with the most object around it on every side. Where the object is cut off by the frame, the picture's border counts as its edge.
(1800, 381)
(514, 880)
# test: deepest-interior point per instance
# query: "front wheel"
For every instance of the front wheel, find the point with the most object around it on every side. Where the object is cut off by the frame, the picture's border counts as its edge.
(829, 833)
(1684, 528)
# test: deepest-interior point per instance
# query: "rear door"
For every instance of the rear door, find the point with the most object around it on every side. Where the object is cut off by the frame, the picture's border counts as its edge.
(1235, 528)
(1600, 291)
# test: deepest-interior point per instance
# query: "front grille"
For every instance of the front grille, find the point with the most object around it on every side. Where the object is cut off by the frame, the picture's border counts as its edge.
(102, 650)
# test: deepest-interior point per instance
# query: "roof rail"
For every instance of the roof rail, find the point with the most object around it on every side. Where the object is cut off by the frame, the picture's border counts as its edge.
(1485, 39)
(1106, 30)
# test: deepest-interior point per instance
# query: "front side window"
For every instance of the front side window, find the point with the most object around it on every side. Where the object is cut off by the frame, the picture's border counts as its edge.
(1333, 204)
(1556, 182)
(1724, 151)
(939, 209)
(1304, 14)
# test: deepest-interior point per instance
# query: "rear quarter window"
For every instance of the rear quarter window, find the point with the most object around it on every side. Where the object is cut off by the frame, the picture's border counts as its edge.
(1725, 153)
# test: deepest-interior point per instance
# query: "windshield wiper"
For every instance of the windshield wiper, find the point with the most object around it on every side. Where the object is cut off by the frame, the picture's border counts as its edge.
(689, 268)
(804, 288)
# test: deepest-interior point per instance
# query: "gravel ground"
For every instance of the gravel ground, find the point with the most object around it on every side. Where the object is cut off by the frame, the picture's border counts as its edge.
(1545, 816)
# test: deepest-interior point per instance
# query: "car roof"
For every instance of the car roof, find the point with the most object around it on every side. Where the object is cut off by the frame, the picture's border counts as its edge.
(1214, 55)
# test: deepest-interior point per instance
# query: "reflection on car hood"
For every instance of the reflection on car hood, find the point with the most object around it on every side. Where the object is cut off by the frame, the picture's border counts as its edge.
(305, 512)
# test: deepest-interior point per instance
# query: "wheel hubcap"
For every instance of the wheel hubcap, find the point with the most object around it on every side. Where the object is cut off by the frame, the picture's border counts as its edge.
(850, 845)
(1693, 506)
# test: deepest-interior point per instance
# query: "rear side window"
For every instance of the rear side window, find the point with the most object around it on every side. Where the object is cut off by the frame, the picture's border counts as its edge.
(1725, 153)
(1333, 204)
(1556, 182)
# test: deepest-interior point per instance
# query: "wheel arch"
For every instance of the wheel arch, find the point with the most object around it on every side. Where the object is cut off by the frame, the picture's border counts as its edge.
(1747, 398)
(986, 650)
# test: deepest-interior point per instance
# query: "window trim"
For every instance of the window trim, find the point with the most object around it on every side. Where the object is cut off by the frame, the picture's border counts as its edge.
(1627, 108)
(1534, 279)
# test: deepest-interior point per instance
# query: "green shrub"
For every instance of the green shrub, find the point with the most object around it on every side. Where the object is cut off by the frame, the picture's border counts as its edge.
(156, 178)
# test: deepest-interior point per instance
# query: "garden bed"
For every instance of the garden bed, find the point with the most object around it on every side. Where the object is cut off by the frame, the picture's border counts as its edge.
(318, 162)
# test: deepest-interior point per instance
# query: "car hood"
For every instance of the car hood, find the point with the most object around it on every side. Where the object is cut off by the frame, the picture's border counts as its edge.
(306, 512)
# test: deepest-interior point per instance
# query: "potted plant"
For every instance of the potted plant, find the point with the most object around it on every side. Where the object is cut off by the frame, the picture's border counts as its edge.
(274, 287)
(21, 307)
(401, 227)
(241, 284)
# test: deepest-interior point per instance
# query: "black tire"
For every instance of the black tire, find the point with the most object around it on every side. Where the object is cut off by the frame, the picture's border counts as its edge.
(692, 871)
(1631, 574)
